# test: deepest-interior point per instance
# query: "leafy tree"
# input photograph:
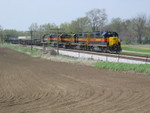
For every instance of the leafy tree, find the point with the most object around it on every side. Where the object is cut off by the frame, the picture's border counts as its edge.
(140, 26)
(47, 28)
(128, 33)
(66, 26)
(1, 28)
(80, 25)
(97, 18)
(116, 24)
(10, 33)
(39, 30)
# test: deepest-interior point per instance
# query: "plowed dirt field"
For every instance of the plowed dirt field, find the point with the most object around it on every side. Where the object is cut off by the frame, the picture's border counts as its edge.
(34, 85)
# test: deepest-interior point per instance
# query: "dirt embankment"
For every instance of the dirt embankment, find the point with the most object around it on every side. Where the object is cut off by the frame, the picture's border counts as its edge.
(32, 85)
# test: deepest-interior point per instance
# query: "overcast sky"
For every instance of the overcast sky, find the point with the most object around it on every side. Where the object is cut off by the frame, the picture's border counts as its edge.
(20, 14)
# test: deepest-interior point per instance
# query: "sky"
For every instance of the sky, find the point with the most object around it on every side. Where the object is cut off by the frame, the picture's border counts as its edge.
(20, 14)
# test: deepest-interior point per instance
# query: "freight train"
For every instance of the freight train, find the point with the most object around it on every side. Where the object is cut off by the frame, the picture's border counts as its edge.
(95, 41)
(36, 42)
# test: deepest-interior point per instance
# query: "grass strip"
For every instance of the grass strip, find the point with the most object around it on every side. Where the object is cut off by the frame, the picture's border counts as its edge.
(33, 52)
(140, 68)
(130, 53)
(135, 49)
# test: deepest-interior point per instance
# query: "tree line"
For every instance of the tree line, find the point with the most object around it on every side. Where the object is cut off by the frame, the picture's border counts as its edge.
(134, 30)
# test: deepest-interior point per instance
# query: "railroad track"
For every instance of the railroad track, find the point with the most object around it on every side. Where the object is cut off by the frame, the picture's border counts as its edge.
(124, 56)
(142, 58)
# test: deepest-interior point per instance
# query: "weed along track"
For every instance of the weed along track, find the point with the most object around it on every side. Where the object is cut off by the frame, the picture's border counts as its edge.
(33, 85)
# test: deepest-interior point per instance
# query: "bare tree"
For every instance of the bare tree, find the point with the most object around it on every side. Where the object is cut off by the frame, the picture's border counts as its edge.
(1, 33)
(140, 26)
(98, 18)
(148, 28)
(34, 30)
(33, 27)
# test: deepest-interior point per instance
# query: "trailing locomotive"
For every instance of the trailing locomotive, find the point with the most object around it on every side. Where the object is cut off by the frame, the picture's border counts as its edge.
(95, 41)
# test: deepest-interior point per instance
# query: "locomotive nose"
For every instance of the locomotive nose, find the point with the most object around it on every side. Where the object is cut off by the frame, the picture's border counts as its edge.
(113, 41)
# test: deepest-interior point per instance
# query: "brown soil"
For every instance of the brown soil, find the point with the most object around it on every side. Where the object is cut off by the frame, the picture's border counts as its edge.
(33, 85)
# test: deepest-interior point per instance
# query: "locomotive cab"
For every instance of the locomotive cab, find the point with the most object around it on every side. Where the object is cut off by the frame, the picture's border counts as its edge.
(45, 38)
(113, 42)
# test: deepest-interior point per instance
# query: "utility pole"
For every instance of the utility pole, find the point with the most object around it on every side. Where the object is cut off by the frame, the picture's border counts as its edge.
(57, 41)
(57, 33)
(1, 35)
(31, 33)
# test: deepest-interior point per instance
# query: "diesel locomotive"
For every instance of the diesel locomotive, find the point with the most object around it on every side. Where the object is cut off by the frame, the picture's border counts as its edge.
(95, 41)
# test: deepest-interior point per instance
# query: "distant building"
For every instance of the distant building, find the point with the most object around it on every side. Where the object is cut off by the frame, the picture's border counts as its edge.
(24, 37)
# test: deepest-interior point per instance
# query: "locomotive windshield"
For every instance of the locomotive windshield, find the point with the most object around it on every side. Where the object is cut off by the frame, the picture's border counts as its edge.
(97, 35)
(109, 34)
(53, 36)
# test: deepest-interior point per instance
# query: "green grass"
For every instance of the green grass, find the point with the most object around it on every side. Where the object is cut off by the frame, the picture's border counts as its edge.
(33, 52)
(130, 53)
(143, 50)
(140, 68)
(137, 48)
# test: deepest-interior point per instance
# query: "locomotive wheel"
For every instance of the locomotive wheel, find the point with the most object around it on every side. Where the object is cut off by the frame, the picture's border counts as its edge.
(105, 50)
(91, 49)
